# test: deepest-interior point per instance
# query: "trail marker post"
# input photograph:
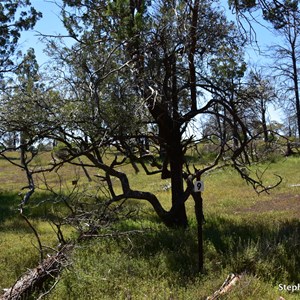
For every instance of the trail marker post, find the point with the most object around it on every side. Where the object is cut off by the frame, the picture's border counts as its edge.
(197, 195)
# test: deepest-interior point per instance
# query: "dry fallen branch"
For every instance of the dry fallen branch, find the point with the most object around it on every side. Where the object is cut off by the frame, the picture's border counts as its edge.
(227, 285)
(34, 279)
(88, 235)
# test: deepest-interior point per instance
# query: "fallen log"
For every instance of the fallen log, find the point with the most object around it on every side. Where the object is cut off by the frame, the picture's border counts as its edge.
(227, 285)
(35, 279)
(39, 278)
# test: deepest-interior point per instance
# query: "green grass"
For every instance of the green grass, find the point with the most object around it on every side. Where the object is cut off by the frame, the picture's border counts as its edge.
(257, 236)
(162, 263)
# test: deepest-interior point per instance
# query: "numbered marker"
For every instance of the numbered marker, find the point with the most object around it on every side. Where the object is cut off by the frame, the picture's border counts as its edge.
(198, 186)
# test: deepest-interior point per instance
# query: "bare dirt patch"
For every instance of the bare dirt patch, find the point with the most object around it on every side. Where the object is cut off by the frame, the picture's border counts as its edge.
(290, 203)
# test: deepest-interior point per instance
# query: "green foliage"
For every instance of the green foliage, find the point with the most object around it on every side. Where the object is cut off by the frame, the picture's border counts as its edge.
(26, 105)
(205, 153)
(242, 5)
(281, 14)
(15, 16)
(129, 17)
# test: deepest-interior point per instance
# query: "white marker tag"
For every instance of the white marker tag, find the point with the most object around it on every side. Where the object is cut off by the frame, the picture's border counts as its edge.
(198, 186)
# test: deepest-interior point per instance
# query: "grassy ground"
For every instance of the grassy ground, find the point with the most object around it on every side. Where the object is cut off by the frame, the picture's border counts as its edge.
(257, 236)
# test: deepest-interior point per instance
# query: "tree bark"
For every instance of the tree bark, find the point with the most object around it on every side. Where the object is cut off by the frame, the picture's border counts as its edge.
(200, 220)
(296, 89)
(263, 121)
(36, 278)
(227, 285)
(175, 155)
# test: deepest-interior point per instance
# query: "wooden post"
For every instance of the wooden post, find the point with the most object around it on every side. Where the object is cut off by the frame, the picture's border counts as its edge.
(199, 217)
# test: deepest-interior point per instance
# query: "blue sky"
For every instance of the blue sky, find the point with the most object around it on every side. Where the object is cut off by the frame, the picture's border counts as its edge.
(50, 24)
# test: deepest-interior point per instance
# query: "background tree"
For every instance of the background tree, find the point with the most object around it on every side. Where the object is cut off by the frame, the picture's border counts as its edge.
(24, 115)
(286, 21)
(259, 92)
(15, 16)
(20, 100)
(284, 16)
(228, 69)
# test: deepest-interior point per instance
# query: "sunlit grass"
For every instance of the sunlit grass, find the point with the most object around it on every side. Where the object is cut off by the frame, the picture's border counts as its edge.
(162, 263)
(256, 235)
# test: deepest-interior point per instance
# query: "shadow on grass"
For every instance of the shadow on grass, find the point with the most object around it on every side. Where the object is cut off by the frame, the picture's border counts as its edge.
(10, 158)
(264, 248)
(10, 218)
(268, 250)
(8, 205)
